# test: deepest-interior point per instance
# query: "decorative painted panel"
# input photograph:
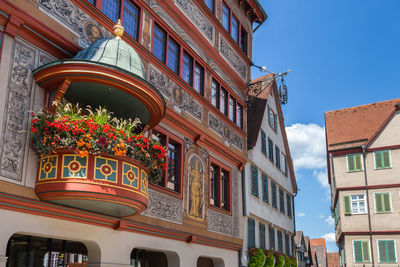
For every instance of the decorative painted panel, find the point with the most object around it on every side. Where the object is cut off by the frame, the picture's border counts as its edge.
(48, 168)
(194, 14)
(144, 182)
(180, 99)
(196, 173)
(18, 101)
(105, 169)
(130, 175)
(164, 207)
(228, 135)
(231, 56)
(74, 166)
(74, 19)
(235, 202)
(219, 222)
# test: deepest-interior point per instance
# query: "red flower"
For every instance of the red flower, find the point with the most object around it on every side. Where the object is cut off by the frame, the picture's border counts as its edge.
(34, 130)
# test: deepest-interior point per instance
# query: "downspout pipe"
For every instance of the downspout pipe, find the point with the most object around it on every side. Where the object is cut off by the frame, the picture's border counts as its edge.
(368, 206)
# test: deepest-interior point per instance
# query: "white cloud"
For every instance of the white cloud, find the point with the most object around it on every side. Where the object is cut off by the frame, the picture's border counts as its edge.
(329, 237)
(330, 221)
(301, 214)
(307, 145)
(322, 178)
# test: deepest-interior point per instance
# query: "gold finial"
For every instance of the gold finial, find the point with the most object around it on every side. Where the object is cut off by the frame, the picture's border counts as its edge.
(118, 30)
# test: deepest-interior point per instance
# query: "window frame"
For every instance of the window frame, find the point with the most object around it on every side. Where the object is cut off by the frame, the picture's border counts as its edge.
(278, 157)
(270, 150)
(362, 251)
(241, 28)
(251, 225)
(213, 10)
(280, 241)
(289, 205)
(265, 187)
(222, 167)
(382, 159)
(383, 205)
(274, 197)
(354, 162)
(170, 136)
(379, 253)
(263, 142)
(281, 200)
(254, 180)
(261, 233)
(271, 237)
(358, 205)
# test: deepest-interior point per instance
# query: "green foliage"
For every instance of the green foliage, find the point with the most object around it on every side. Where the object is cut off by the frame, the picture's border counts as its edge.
(286, 261)
(256, 257)
(269, 258)
(278, 260)
(293, 262)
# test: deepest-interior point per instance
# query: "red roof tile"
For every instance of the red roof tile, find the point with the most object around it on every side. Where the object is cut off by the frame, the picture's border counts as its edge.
(356, 126)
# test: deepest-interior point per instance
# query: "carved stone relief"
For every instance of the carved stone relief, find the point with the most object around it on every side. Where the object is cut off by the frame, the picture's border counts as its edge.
(219, 222)
(164, 207)
(180, 99)
(18, 101)
(74, 19)
(196, 17)
(228, 135)
(235, 202)
(231, 56)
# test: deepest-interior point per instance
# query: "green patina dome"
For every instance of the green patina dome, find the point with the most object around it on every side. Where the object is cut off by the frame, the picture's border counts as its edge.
(115, 52)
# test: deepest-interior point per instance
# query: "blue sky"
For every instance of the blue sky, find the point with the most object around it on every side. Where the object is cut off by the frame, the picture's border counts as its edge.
(342, 53)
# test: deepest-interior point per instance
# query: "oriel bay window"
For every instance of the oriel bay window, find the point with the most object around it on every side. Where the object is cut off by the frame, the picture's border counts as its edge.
(226, 16)
(172, 176)
(173, 55)
(219, 186)
(210, 5)
(232, 25)
(219, 99)
(159, 43)
(126, 10)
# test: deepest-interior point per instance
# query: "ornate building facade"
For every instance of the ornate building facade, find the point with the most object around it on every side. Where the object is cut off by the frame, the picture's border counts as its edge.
(182, 67)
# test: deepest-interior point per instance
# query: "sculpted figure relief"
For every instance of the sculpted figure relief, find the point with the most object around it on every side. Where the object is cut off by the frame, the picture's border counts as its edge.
(196, 188)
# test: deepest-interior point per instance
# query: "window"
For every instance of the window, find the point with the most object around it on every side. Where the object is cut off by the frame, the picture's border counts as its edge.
(354, 163)
(287, 247)
(159, 41)
(215, 94)
(254, 180)
(210, 5)
(172, 176)
(289, 205)
(235, 29)
(251, 242)
(226, 16)
(111, 9)
(270, 150)
(265, 187)
(219, 187)
(232, 109)
(271, 238)
(386, 251)
(273, 192)
(361, 251)
(263, 143)
(281, 201)
(382, 159)
(173, 55)
(354, 204)
(239, 115)
(243, 40)
(187, 68)
(224, 100)
(198, 85)
(383, 202)
(280, 242)
(284, 159)
(131, 19)
(272, 119)
(262, 235)
(277, 157)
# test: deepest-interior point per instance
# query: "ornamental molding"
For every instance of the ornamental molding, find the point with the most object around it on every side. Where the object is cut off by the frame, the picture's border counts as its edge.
(75, 20)
(229, 136)
(231, 56)
(194, 14)
(219, 222)
(164, 207)
(180, 99)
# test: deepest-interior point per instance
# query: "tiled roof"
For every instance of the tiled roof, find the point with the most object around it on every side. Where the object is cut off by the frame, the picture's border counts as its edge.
(255, 114)
(319, 246)
(333, 259)
(318, 242)
(356, 126)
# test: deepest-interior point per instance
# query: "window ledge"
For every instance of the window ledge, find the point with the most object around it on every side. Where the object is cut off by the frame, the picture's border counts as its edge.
(227, 212)
(166, 191)
(355, 171)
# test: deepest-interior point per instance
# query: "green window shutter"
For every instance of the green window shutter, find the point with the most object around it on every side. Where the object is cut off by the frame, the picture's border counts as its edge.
(357, 251)
(386, 202)
(382, 251)
(254, 180)
(350, 163)
(378, 159)
(378, 202)
(358, 162)
(386, 159)
(347, 205)
(365, 250)
(391, 254)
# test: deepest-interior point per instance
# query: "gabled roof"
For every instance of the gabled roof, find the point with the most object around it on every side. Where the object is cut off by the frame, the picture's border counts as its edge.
(357, 126)
(298, 237)
(255, 114)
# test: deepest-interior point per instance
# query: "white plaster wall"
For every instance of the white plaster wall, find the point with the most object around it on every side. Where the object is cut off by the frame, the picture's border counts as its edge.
(108, 247)
(389, 135)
